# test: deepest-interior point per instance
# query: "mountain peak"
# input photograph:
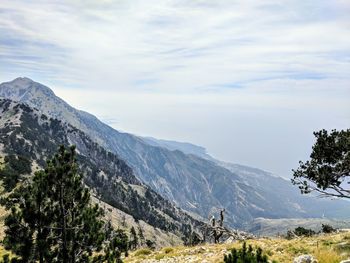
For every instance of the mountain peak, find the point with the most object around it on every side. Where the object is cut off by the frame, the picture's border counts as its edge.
(22, 79)
(22, 82)
(22, 87)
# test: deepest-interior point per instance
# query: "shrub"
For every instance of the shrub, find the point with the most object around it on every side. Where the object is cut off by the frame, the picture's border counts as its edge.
(143, 252)
(328, 229)
(246, 255)
(301, 231)
(168, 250)
(150, 244)
(159, 256)
(347, 237)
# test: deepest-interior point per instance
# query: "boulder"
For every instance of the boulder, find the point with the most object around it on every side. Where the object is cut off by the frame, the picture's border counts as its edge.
(305, 259)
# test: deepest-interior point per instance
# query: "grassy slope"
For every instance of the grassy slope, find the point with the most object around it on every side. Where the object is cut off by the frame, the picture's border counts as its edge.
(330, 248)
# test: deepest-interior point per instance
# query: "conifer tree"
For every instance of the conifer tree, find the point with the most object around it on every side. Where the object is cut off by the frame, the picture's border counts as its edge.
(141, 236)
(117, 243)
(52, 219)
(328, 170)
(27, 226)
(133, 238)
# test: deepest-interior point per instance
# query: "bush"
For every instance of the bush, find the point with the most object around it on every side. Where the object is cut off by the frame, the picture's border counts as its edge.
(159, 256)
(245, 255)
(300, 232)
(328, 229)
(150, 244)
(168, 250)
(143, 252)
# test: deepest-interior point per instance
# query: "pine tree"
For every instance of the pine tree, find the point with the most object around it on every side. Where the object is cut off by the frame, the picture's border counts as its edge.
(141, 236)
(133, 238)
(117, 243)
(52, 218)
(76, 221)
(328, 170)
(27, 232)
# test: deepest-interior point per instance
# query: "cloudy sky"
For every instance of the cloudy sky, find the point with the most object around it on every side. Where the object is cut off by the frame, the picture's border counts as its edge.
(248, 80)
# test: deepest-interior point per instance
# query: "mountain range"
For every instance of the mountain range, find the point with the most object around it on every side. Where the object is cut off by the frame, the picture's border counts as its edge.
(28, 136)
(182, 173)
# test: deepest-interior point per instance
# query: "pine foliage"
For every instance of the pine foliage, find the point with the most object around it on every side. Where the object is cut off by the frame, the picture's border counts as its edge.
(246, 255)
(52, 219)
(328, 170)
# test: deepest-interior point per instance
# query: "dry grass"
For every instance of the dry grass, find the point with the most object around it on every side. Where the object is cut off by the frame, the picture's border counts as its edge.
(331, 248)
(3, 214)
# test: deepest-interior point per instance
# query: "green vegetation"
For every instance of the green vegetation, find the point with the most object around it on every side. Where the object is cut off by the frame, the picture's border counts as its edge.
(328, 170)
(13, 167)
(134, 241)
(36, 141)
(328, 228)
(246, 255)
(300, 231)
(326, 248)
(168, 250)
(143, 252)
(52, 219)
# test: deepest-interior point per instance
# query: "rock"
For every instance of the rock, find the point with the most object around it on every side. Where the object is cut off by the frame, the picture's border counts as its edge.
(230, 240)
(305, 259)
(345, 261)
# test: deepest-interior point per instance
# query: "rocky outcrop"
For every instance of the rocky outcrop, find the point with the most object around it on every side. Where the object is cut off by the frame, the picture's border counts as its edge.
(305, 259)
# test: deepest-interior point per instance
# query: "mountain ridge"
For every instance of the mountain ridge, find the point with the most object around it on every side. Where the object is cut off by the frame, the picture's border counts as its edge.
(28, 134)
(198, 185)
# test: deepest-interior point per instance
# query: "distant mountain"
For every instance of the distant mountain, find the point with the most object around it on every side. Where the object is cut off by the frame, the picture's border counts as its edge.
(272, 227)
(30, 136)
(185, 147)
(276, 190)
(182, 173)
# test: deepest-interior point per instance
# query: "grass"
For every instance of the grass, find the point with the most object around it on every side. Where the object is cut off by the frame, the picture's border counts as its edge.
(327, 255)
(143, 252)
(329, 248)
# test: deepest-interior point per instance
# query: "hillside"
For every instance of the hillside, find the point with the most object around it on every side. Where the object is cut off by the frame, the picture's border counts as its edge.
(330, 248)
(199, 185)
(28, 138)
(273, 227)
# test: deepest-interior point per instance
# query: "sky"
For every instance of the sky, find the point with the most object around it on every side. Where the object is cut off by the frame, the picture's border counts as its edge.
(248, 80)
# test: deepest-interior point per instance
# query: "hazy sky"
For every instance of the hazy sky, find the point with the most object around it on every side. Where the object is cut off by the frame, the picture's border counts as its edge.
(248, 80)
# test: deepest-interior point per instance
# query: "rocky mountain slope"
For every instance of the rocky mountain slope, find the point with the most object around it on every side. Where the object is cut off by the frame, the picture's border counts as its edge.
(192, 181)
(277, 191)
(185, 147)
(28, 138)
